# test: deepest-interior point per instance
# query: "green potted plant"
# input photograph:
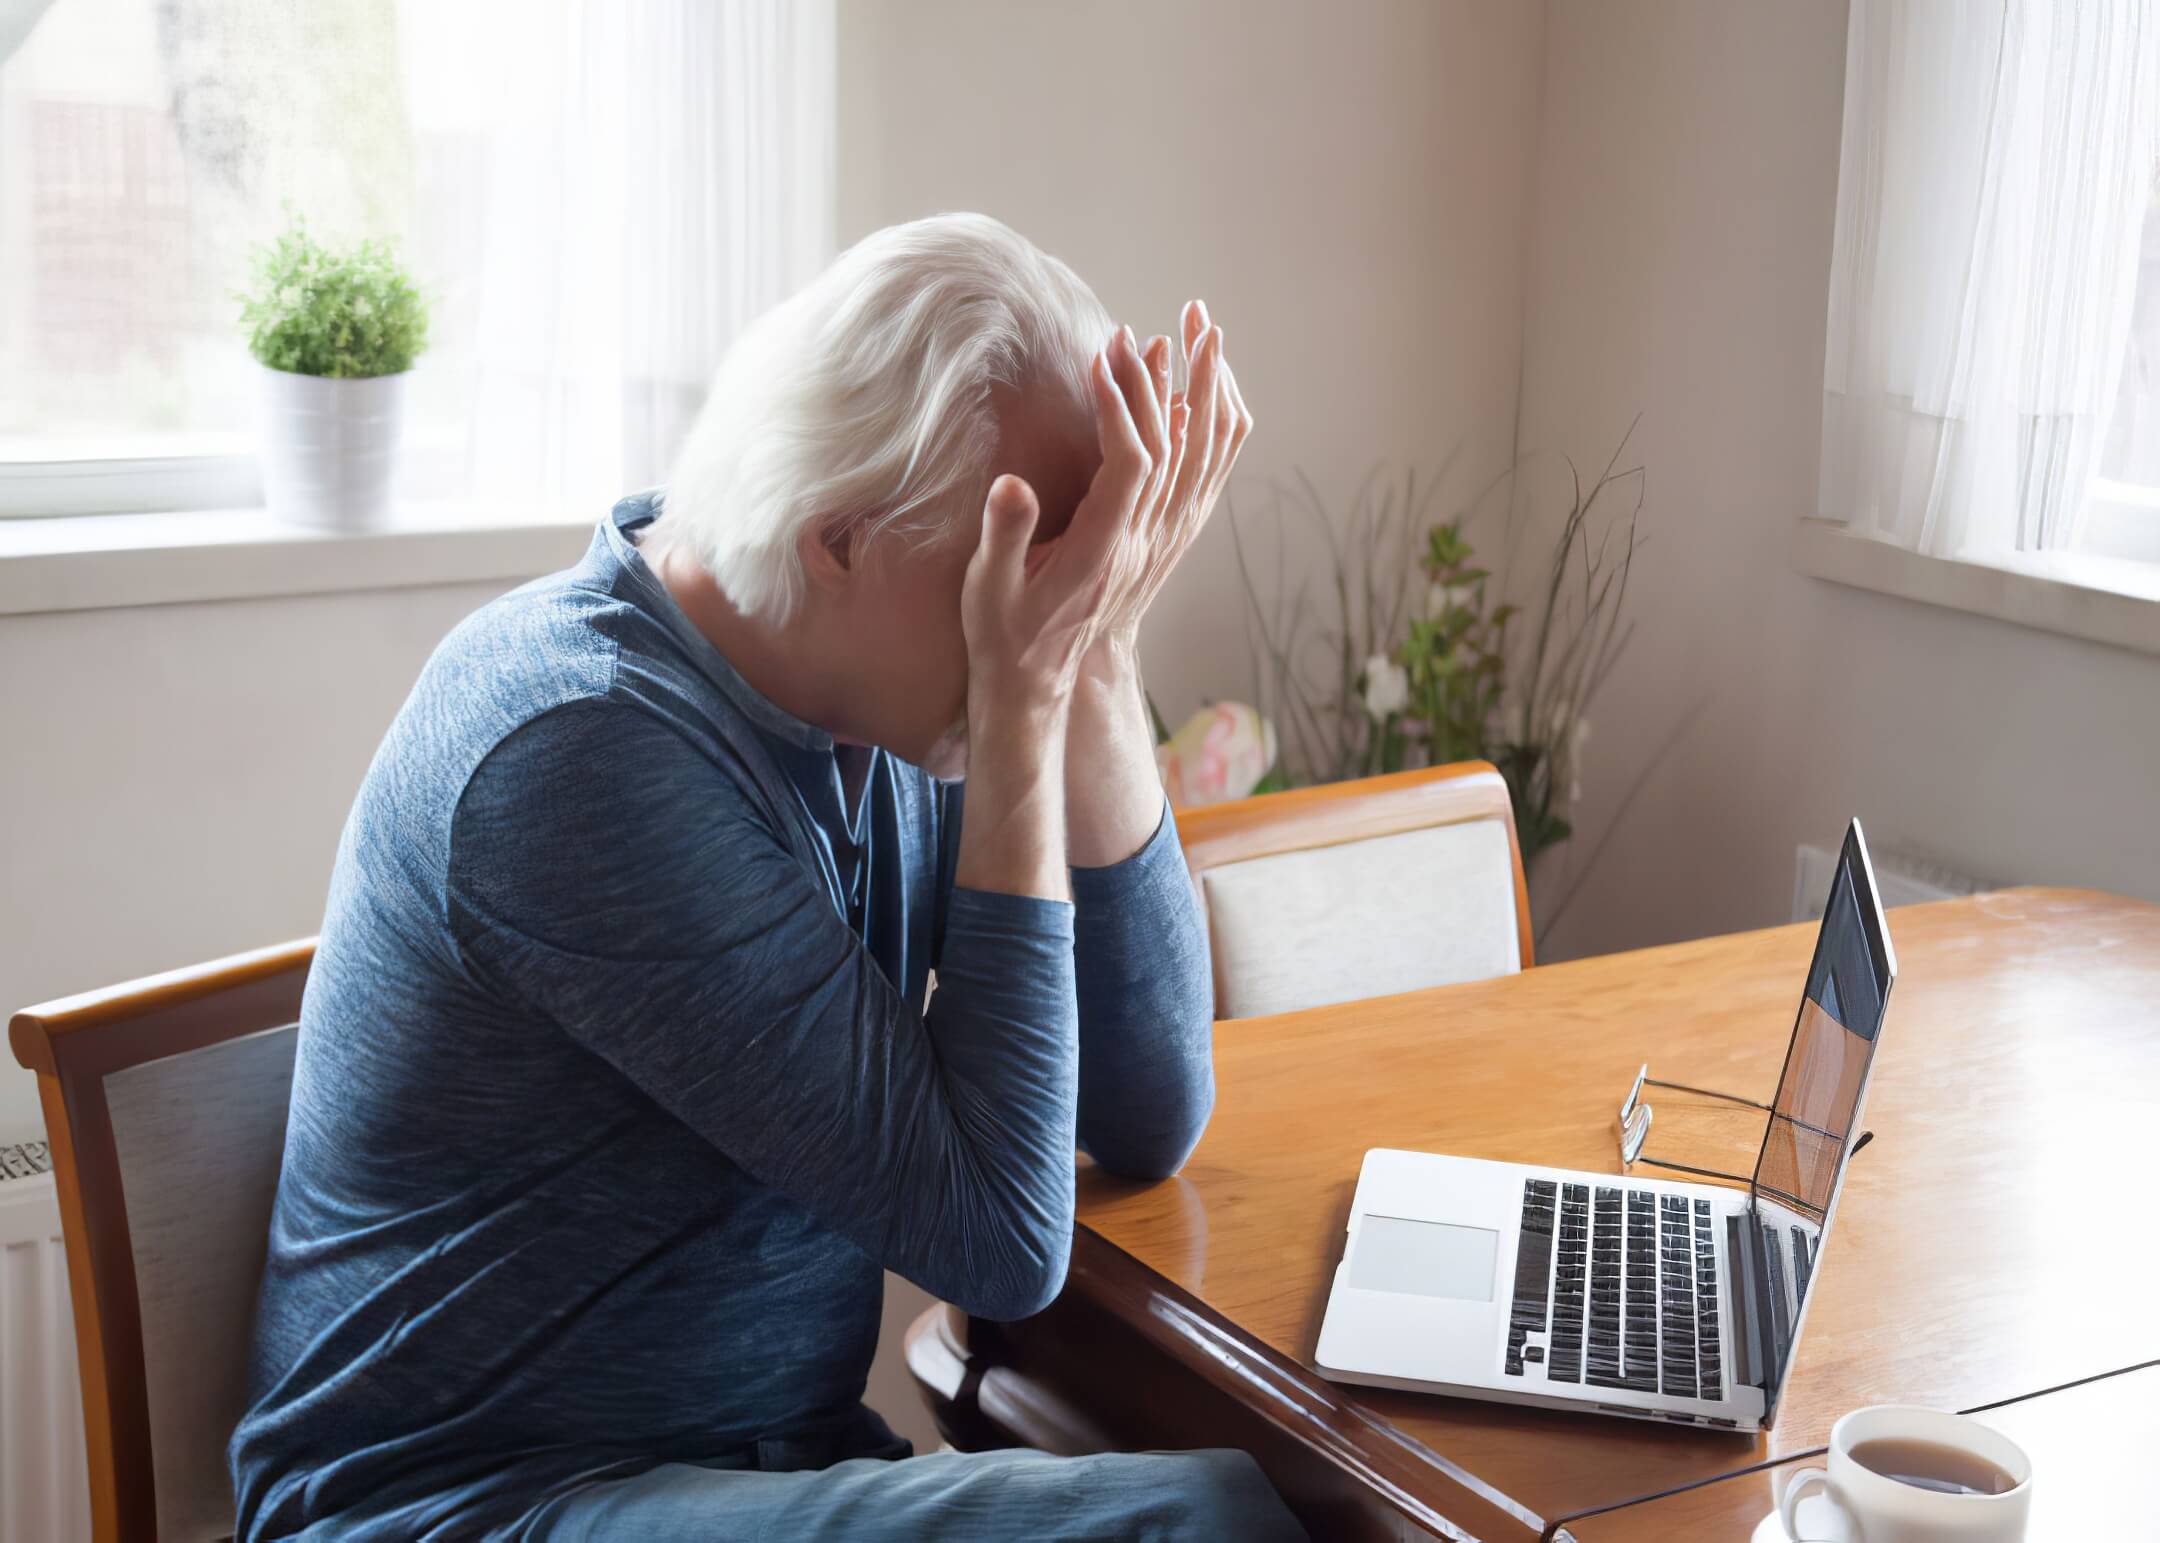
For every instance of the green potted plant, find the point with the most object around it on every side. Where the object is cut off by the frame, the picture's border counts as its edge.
(336, 332)
(1360, 678)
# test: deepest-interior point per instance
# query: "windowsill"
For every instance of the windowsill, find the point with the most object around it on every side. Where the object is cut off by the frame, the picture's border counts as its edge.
(93, 562)
(2101, 599)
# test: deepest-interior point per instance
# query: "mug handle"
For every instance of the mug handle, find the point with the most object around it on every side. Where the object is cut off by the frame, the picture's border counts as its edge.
(1788, 1506)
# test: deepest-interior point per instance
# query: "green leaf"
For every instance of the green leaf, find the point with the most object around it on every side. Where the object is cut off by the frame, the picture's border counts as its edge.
(1155, 717)
(343, 314)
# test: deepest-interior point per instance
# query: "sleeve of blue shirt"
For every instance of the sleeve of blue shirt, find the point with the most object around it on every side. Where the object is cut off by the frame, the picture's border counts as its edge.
(621, 885)
(1147, 1005)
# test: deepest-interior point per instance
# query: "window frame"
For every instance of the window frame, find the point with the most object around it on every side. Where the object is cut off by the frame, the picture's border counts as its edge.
(2121, 520)
(131, 474)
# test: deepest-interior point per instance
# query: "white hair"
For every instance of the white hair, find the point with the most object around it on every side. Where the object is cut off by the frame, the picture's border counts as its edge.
(864, 400)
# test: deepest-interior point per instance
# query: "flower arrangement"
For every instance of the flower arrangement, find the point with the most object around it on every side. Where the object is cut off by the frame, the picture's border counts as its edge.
(343, 314)
(1414, 656)
(1225, 750)
(1318, 679)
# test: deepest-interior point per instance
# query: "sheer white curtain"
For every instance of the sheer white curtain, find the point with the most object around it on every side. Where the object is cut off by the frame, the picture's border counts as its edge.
(650, 175)
(1998, 159)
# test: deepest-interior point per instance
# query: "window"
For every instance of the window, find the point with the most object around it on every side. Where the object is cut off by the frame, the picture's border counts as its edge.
(1985, 398)
(590, 194)
(143, 147)
(2122, 512)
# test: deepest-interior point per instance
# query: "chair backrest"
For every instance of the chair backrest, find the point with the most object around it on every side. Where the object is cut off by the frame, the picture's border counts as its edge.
(1359, 889)
(165, 1106)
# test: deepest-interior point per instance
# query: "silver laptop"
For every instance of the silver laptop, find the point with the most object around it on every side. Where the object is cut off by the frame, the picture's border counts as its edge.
(1657, 1299)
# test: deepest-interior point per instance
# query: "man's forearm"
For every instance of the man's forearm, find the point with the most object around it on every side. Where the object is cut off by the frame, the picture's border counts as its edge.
(1113, 793)
(1141, 959)
(1143, 982)
(1012, 827)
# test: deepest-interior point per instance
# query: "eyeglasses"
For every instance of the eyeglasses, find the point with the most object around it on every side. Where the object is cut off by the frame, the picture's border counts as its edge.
(1635, 1117)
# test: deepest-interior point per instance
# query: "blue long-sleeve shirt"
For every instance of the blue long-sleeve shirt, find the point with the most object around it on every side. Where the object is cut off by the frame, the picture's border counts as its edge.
(615, 1084)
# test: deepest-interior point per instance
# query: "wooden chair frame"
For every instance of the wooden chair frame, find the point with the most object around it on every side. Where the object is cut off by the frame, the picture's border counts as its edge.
(73, 1045)
(1338, 812)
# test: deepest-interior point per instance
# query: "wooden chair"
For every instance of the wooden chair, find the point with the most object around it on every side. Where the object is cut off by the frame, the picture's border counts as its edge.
(1359, 889)
(165, 1108)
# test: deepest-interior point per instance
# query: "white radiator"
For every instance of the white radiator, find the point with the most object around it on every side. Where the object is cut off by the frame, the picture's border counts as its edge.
(44, 1485)
(1900, 880)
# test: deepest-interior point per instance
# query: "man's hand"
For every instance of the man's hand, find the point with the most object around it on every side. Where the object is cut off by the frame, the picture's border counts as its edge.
(1114, 797)
(1043, 621)
(1209, 424)
(1034, 614)
(1031, 614)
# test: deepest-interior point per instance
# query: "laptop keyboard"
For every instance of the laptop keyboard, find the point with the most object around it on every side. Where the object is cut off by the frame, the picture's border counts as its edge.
(1623, 1283)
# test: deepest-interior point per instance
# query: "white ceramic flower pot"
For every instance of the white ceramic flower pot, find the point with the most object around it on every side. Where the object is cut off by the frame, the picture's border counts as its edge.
(329, 447)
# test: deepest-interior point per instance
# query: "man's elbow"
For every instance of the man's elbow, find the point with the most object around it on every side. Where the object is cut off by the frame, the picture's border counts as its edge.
(1158, 1151)
(1025, 1287)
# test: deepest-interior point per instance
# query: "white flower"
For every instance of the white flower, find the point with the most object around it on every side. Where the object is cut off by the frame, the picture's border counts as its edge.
(360, 306)
(1443, 598)
(1387, 686)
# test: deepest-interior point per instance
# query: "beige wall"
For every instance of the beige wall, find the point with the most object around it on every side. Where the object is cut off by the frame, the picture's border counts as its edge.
(1346, 184)
(175, 777)
(1685, 192)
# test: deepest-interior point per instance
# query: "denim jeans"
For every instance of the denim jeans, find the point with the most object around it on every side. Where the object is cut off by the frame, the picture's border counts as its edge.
(949, 1497)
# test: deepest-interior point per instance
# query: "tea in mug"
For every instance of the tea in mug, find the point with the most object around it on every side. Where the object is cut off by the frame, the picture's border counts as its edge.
(1931, 1465)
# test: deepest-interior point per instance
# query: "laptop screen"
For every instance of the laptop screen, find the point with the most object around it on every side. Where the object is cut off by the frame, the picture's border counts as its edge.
(1812, 1122)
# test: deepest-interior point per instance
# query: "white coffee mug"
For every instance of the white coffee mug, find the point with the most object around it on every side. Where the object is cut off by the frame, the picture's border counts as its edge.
(1878, 1509)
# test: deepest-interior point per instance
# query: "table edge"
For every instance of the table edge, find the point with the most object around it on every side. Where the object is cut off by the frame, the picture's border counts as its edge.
(1326, 1416)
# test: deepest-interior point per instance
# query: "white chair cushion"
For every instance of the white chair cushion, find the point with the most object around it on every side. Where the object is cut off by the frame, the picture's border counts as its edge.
(1367, 918)
(200, 1137)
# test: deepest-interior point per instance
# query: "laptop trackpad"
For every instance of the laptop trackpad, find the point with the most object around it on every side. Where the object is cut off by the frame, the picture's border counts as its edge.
(1427, 1259)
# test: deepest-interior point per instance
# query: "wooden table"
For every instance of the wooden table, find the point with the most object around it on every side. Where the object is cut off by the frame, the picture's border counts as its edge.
(2091, 1448)
(2016, 1088)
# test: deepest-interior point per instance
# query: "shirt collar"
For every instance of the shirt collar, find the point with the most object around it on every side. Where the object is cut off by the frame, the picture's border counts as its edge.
(616, 564)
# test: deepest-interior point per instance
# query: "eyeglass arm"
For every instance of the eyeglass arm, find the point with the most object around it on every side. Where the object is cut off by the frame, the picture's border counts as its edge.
(1682, 1087)
(1708, 1173)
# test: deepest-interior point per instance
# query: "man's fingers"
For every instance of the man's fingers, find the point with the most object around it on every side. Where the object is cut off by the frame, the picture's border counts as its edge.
(1137, 381)
(1155, 498)
(1201, 396)
(1240, 422)
(1126, 461)
(1226, 418)
(1194, 321)
(1237, 400)
(1180, 438)
(1157, 356)
(1107, 508)
(1009, 515)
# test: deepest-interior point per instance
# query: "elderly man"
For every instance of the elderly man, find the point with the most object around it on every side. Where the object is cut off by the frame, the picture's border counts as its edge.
(670, 987)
